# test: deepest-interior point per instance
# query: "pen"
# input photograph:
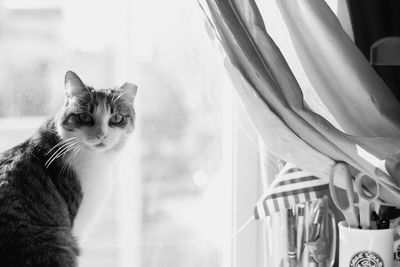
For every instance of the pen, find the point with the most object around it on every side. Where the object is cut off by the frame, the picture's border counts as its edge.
(315, 229)
(300, 230)
(291, 238)
(316, 224)
(307, 219)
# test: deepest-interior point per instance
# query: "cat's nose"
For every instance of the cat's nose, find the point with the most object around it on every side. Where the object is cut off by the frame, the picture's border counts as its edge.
(101, 136)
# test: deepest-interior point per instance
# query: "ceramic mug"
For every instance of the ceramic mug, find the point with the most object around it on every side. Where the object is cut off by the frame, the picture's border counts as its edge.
(364, 247)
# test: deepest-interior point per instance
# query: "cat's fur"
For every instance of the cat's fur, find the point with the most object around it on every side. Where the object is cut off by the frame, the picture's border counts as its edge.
(46, 195)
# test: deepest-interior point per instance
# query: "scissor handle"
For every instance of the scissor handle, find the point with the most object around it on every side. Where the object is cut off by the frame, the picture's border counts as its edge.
(348, 186)
(360, 188)
(364, 201)
(350, 213)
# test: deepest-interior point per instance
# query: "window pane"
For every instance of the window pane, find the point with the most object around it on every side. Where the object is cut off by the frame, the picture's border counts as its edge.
(36, 50)
(172, 200)
(186, 209)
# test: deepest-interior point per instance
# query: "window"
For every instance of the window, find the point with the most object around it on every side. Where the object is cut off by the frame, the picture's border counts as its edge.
(173, 198)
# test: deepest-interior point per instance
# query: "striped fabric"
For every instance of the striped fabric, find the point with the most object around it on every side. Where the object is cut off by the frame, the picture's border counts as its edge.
(290, 187)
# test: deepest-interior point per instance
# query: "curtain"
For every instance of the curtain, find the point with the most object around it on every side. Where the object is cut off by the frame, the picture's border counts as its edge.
(357, 98)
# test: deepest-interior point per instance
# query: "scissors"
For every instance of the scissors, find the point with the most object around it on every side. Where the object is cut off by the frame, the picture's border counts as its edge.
(365, 202)
(356, 214)
(349, 211)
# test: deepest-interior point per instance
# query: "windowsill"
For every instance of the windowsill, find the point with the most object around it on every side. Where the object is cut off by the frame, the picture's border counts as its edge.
(14, 130)
(20, 123)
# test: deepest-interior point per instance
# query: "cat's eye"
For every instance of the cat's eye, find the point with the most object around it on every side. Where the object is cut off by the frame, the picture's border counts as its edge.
(85, 117)
(117, 119)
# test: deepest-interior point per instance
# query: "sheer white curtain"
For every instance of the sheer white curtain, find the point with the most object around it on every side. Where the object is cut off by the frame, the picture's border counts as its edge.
(365, 109)
(278, 31)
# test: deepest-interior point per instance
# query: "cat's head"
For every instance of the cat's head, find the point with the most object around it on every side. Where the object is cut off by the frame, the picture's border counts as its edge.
(98, 120)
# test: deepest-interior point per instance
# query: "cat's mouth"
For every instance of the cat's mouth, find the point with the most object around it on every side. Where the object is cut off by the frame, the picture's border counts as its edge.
(100, 145)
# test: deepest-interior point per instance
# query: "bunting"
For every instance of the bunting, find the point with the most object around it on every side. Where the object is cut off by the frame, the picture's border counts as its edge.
(290, 187)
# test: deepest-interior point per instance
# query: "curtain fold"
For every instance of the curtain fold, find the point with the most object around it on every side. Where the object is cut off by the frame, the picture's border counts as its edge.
(274, 101)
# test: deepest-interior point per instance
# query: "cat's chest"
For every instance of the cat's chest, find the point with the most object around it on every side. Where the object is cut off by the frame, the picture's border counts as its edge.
(94, 173)
(91, 170)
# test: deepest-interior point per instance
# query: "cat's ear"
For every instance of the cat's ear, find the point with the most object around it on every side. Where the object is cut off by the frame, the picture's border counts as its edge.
(74, 87)
(129, 90)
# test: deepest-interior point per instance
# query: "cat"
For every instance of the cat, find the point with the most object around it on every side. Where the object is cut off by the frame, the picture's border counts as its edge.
(54, 183)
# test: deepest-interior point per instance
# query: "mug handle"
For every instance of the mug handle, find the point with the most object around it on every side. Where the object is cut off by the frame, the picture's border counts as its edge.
(396, 251)
(334, 238)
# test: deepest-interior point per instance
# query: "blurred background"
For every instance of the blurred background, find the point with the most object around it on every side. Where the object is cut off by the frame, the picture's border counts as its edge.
(172, 203)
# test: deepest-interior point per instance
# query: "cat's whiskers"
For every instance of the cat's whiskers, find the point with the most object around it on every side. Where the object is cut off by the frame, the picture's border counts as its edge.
(60, 152)
(60, 143)
(73, 158)
(62, 169)
(119, 96)
(75, 147)
(75, 153)
(115, 93)
(76, 150)
(69, 148)
(57, 152)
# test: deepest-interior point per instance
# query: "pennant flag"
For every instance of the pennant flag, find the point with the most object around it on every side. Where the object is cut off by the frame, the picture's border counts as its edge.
(290, 187)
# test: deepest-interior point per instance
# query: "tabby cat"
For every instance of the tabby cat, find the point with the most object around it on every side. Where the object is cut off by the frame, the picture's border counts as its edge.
(54, 183)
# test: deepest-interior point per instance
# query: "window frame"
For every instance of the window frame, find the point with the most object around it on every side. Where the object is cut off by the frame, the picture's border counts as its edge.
(248, 247)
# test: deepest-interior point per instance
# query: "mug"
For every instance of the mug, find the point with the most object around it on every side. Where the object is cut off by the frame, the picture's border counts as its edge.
(364, 247)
